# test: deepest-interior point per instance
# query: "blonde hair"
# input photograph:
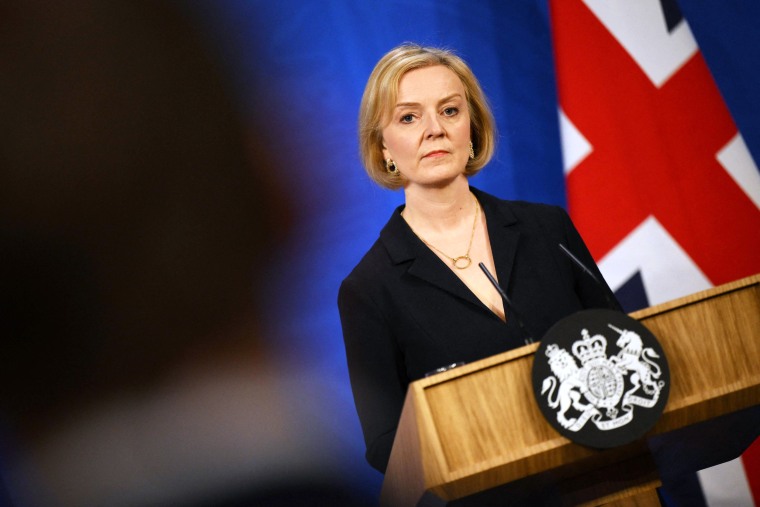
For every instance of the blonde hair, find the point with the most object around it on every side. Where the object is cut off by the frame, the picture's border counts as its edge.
(380, 97)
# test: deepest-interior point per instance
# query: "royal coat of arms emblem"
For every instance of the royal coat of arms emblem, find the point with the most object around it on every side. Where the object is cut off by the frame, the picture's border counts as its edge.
(596, 391)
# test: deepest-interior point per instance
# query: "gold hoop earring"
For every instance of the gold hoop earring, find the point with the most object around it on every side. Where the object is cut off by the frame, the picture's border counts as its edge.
(472, 151)
(390, 167)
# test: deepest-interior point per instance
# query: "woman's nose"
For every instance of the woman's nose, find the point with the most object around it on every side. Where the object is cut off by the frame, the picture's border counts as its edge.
(433, 126)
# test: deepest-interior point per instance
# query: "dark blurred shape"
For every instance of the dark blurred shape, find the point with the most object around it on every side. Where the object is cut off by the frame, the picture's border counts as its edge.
(131, 219)
(136, 217)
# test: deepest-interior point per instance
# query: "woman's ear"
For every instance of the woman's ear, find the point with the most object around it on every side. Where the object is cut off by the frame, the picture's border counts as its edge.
(386, 153)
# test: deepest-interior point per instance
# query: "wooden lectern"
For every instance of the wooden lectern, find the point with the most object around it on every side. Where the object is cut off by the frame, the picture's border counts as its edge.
(478, 427)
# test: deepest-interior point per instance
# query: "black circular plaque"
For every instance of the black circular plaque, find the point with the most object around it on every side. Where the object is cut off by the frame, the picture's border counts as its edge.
(601, 378)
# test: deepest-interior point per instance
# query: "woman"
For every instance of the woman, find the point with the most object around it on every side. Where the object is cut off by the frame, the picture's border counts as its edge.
(417, 301)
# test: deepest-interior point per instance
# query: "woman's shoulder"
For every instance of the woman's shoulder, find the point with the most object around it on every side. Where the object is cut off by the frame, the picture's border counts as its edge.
(390, 249)
(369, 278)
(370, 264)
(522, 210)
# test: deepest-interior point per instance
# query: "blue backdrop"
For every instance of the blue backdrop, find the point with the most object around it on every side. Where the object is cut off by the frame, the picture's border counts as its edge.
(299, 67)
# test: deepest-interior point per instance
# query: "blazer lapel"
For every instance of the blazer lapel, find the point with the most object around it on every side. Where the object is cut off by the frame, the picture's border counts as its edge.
(503, 234)
(404, 246)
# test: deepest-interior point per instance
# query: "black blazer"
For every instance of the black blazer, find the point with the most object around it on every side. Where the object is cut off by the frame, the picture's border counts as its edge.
(405, 313)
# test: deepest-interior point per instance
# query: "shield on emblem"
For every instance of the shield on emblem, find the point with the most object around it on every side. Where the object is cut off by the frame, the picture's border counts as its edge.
(601, 378)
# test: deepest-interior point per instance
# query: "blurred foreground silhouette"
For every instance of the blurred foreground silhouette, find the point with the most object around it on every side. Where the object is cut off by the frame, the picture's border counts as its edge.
(137, 216)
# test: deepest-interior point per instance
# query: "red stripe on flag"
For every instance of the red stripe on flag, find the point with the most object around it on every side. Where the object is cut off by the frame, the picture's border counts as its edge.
(751, 461)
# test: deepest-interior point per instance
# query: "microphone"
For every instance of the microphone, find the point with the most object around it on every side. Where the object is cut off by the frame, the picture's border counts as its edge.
(578, 262)
(444, 368)
(590, 273)
(510, 306)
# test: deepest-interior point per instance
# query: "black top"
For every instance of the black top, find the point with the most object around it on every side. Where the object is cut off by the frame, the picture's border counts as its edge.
(405, 313)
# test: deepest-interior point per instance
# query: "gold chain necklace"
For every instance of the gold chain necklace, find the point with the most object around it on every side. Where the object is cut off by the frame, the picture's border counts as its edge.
(463, 261)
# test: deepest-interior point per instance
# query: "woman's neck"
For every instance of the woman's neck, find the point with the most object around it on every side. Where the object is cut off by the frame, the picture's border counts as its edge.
(439, 209)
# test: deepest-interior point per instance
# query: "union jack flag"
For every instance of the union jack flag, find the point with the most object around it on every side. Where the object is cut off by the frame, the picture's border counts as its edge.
(660, 182)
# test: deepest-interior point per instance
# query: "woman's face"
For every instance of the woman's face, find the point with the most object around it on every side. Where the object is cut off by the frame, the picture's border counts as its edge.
(428, 134)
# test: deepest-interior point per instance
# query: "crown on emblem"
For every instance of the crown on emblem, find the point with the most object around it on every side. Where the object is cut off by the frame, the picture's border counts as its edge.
(561, 362)
(554, 354)
(590, 347)
(551, 350)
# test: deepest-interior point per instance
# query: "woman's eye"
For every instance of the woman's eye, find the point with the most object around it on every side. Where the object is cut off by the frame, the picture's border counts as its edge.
(450, 111)
(407, 118)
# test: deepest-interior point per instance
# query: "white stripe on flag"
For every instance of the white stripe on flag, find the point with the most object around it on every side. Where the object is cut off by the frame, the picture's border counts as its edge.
(726, 485)
(575, 147)
(651, 251)
(638, 26)
(737, 161)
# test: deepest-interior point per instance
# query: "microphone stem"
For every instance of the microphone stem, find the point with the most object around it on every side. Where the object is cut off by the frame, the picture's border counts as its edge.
(528, 337)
